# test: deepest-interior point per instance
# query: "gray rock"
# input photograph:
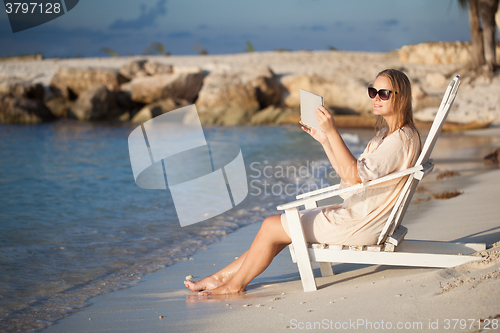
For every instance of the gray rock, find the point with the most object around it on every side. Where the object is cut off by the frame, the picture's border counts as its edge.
(143, 67)
(273, 115)
(176, 86)
(155, 109)
(133, 69)
(23, 111)
(225, 99)
(98, 103)
(186, 70)
(72, 82)
(18, 88)
(124, 101)
(267, 88)
(59, 106)
(433, 53)
(156, 68)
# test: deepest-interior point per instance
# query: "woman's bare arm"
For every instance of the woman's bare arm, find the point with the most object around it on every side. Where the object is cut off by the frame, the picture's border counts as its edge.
(323, 139)
(341, 158)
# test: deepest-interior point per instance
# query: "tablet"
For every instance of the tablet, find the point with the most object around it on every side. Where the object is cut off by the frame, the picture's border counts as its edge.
(309, 102)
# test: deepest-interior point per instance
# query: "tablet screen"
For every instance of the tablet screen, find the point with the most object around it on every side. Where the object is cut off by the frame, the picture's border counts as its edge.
(309, 102)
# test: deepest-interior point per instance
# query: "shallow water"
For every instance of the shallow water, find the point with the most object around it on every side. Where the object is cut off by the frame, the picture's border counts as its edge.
(73, 224)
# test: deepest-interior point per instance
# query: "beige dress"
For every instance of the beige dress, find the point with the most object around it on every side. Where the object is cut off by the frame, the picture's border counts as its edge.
(360, 218)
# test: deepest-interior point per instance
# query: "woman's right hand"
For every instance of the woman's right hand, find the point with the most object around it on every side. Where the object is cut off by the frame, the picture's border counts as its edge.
(317, 135)
(325, 120)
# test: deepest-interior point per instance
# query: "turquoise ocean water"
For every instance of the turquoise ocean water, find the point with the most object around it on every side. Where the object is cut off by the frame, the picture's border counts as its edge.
(73, 224)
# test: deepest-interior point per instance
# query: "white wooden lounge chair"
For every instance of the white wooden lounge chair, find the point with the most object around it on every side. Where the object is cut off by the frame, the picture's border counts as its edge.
(390, 248)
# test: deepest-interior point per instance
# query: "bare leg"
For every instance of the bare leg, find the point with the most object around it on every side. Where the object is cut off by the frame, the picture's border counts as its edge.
(219, 278)
(270, 240)
(224, 275)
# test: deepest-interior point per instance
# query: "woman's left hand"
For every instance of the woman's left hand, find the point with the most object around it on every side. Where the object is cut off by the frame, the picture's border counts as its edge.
(325, 120)
(317, 135)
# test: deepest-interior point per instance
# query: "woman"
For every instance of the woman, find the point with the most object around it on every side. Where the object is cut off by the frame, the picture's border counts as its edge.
(360, 219)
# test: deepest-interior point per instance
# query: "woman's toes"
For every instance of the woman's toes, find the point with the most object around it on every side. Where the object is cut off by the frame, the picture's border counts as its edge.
(207, 283)
(191, 285)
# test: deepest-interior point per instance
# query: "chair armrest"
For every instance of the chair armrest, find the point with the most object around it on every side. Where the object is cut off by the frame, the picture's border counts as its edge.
(321, 190)
(428, 167)
(321, 196)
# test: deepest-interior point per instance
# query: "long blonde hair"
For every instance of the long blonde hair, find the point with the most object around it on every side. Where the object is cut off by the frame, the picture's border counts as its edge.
(401, 101)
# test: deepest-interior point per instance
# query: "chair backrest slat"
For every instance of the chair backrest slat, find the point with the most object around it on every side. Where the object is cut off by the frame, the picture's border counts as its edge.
(439, 120)
(403, 201)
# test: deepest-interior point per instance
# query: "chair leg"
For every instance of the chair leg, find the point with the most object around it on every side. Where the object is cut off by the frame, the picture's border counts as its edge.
(300, 249)
(326, 268)
(306, 274)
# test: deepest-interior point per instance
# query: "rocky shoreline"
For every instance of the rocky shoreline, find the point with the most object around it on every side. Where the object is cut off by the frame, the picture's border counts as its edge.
(238, 89)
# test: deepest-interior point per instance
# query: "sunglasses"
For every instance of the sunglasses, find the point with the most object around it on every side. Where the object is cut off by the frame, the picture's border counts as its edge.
(384, 94)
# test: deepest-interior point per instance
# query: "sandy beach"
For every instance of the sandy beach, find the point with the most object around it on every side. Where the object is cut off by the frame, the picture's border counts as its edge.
(358, 297)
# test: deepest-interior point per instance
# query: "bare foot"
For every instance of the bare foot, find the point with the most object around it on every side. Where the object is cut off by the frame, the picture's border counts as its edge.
(207, 283)
(224, 289)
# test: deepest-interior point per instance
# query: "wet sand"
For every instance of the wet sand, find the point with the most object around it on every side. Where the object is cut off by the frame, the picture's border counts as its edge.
(357, 297)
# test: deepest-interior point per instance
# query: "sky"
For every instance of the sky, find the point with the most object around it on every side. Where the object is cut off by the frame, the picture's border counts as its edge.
(128, 27)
